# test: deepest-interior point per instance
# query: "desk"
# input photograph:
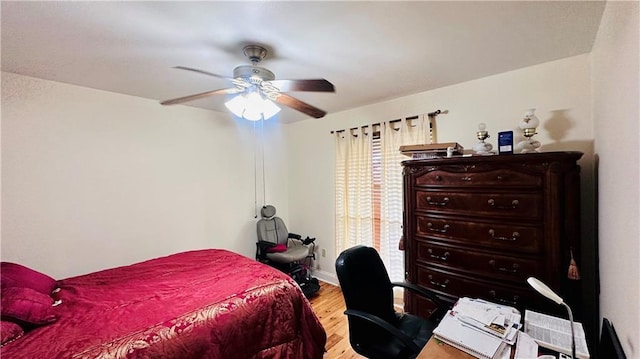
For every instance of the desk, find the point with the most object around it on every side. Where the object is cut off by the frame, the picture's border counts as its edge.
(436, 349)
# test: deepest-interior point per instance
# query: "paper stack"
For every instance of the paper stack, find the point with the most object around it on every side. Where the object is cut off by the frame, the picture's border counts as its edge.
(480, 328)
(555, 333)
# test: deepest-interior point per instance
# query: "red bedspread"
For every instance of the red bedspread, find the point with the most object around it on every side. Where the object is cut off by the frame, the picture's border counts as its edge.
(198, 304)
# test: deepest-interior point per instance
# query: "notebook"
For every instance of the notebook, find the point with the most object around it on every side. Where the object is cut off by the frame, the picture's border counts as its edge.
(460, 335)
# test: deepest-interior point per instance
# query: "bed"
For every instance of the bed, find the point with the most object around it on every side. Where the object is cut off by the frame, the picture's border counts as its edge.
(198, 304)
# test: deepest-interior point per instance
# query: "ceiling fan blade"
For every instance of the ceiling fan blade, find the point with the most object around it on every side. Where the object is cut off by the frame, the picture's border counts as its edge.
(303, 107)
(202, 72)
(199, 96)
(319, 85)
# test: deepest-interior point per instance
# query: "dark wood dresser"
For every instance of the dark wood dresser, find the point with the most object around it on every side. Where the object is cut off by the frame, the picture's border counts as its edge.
(480, 226)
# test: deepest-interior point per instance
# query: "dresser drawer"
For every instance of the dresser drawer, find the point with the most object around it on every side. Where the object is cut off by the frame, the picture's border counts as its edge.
(451, 284)
(487, 264)
(508, 237)
(477, 175)
(424, 307)
(508, 205)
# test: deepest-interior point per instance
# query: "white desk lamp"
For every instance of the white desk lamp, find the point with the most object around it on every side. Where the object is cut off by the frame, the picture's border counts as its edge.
(547, 292)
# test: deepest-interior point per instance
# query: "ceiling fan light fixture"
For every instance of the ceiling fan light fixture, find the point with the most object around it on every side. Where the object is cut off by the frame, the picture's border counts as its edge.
(269, 109)
(252, 106)
(236, 105)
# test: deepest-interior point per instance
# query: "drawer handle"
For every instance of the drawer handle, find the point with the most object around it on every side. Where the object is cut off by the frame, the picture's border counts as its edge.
(492, 263)
(444, 202)
(444, 228)
(499, 178)
(514, 204)
(513, 302)
(438, 284)
(466, 178)
(438, 178)
(514, 236)
(443, 257)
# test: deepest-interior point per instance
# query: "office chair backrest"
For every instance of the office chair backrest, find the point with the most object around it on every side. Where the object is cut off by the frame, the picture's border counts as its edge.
(271, 228)
(365, 286)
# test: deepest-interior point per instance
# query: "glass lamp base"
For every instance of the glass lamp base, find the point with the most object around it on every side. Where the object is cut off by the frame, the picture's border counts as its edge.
(483, 148)
(528, 146)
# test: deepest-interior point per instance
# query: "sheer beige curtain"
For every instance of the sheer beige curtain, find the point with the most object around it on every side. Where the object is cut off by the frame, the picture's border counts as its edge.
(392, 136)
(368, 199)
(354, 205)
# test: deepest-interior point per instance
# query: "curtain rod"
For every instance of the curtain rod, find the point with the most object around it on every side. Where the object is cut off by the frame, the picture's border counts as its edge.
(430, 114)
(374, 124)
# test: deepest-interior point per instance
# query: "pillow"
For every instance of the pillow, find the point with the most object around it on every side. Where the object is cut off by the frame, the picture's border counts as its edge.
(277, 248)
(9, 331)
(27, 305)
(16, 275)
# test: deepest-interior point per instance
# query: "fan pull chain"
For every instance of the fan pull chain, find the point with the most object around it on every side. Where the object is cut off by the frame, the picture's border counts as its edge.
(255, 173)
(264, 187)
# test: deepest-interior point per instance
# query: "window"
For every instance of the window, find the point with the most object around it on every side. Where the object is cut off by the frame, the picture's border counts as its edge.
(369, 186)
(376, 180)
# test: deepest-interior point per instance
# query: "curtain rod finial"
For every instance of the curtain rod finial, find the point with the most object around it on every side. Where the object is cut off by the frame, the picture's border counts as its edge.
(437, 112)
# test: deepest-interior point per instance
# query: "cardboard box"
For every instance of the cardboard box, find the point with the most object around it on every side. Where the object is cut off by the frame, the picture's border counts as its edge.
(430, 150)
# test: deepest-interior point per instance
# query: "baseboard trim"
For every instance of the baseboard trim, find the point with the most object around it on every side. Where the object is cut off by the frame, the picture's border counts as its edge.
(325, 277)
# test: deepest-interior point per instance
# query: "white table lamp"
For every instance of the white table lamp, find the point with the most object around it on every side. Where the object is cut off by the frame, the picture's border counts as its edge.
(547, 292)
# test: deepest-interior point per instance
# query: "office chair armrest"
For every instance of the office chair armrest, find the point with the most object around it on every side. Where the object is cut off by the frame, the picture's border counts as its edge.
(292, 242)
(442, 305)
(295, 236)
(265, 244)
(261, 249)
(406, 340)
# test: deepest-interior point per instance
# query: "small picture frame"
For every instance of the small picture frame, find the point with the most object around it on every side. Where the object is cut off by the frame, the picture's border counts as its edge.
(505, 142)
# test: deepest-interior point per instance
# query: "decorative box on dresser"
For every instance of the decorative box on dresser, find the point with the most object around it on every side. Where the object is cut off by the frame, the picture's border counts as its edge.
(479, 226)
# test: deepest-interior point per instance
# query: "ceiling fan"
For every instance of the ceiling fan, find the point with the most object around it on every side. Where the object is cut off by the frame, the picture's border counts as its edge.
(252, 80)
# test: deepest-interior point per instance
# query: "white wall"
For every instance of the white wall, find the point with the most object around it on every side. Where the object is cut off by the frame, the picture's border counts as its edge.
(615, 84)
(559, 90)
(93, 179)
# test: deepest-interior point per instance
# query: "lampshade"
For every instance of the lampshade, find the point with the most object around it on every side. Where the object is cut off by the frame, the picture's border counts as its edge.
(252, 106)
(544, 290)
(530, 120)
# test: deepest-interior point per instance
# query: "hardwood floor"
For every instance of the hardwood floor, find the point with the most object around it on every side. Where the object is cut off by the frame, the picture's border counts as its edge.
(329, 306)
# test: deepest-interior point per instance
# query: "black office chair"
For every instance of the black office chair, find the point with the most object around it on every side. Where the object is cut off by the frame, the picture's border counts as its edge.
(375, 329)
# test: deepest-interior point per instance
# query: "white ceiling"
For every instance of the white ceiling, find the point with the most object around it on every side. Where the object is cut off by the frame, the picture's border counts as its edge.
(370, 51)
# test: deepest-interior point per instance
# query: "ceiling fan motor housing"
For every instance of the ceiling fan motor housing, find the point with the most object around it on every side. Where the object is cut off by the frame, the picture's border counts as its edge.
(248, 71)
(255, 53)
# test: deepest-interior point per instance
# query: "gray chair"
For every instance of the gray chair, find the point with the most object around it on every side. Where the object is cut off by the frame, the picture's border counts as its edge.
(286, 251)
(272, 232)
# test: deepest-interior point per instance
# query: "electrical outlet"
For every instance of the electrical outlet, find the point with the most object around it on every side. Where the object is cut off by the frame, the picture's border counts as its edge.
(324, 252)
